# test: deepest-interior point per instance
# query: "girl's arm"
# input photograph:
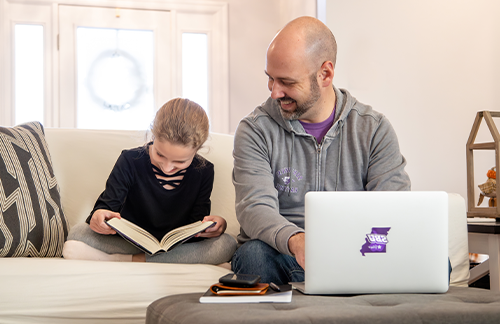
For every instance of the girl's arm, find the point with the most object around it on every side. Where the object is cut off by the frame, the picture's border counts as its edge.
(216, 230)
(111, 199)
(202, 204)
(206, 191)
(97, 223)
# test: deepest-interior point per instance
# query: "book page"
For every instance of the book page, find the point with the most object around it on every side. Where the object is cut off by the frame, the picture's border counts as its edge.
(182, 233)
(180, 229)
(135, 234)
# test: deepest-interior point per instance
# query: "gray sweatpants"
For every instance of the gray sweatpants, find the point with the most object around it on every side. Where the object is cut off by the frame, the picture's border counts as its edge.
(209, 251)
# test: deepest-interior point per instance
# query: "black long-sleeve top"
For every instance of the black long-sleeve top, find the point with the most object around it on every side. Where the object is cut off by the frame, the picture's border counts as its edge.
(133, 190)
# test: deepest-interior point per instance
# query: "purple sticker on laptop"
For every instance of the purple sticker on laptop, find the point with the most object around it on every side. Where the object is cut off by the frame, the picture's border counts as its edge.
(376, 241)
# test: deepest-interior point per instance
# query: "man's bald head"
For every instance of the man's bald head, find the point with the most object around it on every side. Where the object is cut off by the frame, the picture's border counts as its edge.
(307, 37)
(300, 66)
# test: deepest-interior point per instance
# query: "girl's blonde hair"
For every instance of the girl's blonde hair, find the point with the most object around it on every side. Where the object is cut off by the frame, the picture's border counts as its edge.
(181, 121)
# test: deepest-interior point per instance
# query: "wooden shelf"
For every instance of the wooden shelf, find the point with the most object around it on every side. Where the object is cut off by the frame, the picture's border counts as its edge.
(472, 210)
(483, 146)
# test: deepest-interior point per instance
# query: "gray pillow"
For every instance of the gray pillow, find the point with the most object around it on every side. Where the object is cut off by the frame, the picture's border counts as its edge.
(32, 222)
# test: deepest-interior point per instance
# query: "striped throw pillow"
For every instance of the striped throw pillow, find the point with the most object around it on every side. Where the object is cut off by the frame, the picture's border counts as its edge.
(32, 222)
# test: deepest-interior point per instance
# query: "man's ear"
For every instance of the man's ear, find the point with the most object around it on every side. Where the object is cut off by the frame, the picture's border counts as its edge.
(326, 74)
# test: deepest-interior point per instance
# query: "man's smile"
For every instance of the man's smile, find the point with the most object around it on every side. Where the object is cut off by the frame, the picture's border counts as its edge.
(286, 103)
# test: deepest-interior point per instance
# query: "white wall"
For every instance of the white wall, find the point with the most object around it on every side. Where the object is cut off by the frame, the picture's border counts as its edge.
(429, 66)
(252, 26)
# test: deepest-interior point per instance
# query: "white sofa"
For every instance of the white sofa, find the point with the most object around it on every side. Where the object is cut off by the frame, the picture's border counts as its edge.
(55, 290)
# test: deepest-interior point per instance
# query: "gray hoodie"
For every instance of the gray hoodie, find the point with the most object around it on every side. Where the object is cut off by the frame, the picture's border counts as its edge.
(276, 163)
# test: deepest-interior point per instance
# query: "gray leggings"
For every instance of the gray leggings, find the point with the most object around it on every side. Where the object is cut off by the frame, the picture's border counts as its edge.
(209, 251)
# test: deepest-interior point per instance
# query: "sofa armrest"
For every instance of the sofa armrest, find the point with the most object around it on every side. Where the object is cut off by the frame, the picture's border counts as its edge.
(458, 246)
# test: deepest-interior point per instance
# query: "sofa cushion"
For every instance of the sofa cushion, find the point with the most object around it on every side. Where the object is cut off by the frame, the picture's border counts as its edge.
(32, 222)
(61, 291)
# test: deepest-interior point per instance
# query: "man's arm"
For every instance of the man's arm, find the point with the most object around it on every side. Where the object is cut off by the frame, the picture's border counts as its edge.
(386, 168)
(297, 245)
(257, 205)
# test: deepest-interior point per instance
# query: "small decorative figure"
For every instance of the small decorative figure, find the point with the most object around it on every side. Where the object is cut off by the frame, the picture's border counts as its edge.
(489, 188)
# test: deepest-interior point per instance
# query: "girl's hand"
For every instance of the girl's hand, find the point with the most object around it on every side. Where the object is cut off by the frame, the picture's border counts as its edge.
(97, 223)
(215, 230)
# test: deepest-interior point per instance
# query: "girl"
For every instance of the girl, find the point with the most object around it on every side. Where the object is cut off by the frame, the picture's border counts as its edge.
(160, 186)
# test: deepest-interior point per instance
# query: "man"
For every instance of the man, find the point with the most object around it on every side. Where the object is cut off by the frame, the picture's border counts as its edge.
(308, 136)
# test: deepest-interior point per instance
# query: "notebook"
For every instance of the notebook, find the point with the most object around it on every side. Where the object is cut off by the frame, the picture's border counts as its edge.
(376, 242)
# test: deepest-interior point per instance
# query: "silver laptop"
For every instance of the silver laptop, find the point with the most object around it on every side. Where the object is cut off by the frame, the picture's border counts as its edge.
(376, 242)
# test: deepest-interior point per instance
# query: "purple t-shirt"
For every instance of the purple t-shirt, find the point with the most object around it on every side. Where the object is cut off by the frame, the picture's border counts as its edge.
(319, 130)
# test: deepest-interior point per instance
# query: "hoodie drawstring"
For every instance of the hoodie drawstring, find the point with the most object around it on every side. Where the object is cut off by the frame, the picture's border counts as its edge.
(290, 164)
(341, 125)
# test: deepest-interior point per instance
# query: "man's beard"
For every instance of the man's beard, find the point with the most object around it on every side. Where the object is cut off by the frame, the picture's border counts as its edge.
(304, 107)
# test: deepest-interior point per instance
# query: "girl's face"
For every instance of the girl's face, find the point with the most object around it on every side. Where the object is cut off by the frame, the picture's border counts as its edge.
(171, 158)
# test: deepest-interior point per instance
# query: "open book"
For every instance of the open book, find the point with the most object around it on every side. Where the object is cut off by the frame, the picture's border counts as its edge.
(148, 243)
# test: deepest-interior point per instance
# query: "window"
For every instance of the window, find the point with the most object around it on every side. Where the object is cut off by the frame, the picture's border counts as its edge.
(114, 78)
(28, 73)
(195, 68)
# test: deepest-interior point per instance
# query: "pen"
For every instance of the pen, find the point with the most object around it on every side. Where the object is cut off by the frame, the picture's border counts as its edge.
(274, 286)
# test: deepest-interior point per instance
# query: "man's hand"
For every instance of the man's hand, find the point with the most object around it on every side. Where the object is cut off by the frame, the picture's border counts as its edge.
(97, 223)
(297, 245)
(216, 230)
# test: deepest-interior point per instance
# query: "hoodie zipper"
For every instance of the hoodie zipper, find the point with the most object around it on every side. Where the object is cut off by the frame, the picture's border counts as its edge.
(319, 150)
(318, 163)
